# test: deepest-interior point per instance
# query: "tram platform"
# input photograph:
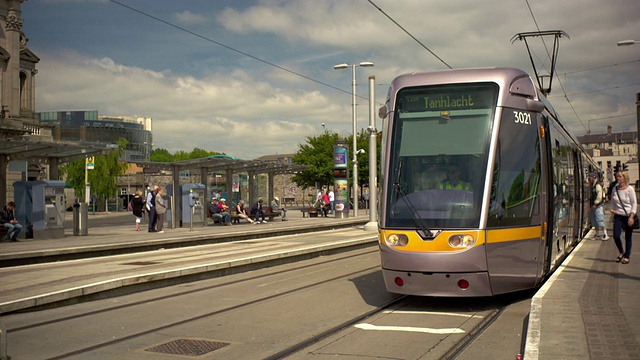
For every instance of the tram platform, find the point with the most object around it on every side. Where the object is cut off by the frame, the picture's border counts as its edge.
(59, 272)
(589, 308)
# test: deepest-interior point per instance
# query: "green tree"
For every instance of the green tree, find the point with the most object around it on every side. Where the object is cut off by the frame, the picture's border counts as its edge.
(161, 155)
(102, 178)
(318, 154)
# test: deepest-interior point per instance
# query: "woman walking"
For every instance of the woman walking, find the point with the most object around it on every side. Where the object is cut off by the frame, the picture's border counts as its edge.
(623, 207)
(137, 204)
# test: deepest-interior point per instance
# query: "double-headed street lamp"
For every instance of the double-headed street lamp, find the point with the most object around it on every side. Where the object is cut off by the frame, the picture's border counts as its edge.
(628, 42)
(353, 114)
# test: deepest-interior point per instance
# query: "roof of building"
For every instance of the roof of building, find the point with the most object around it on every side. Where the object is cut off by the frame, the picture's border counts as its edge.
(627, 137)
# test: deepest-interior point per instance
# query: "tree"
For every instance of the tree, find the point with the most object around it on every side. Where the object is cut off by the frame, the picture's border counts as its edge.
(318, 154)
(102, 178)
(161, 155)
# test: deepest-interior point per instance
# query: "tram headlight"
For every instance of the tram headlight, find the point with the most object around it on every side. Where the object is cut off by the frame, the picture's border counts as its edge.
(461, 241)
(397, 240)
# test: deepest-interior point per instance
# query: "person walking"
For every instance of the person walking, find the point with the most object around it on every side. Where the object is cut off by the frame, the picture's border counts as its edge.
(137, 206)
(623, 207)
(8, 220)
(596, 215)
(161, 209)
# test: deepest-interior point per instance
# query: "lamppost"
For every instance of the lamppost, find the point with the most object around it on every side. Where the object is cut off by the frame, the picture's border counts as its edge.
(353, 114)
(626, 43)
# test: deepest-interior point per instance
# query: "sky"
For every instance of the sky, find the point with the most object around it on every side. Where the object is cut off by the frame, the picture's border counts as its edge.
(255, 77)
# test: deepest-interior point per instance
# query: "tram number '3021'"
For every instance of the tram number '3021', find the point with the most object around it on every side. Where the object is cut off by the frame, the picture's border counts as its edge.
(522, 117)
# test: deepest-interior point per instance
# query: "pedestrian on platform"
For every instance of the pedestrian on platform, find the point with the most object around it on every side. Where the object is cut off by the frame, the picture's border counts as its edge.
(332, 201)
(8, 220)
(596, 214)
(224, 211)
(623, 207)
(242, 213)
(277, 207)
(161, 209)
(137, 204)
(151, 202)
(258, 211)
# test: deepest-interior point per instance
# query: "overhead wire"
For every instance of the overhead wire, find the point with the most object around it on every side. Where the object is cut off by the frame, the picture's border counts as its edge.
(231, 48)
(408, 33)
(535, 21)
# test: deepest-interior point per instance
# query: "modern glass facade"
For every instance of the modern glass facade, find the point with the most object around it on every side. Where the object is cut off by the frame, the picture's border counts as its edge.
(87, 125)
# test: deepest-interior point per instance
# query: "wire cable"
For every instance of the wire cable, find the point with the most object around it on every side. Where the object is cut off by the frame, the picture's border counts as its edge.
(231, 48)
(408, 33)
(535, 21)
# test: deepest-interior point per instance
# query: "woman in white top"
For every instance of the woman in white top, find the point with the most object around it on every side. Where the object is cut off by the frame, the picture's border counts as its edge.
(623, 207)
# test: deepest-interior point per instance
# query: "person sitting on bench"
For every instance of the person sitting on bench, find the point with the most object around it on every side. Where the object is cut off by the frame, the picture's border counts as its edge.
(258, 212)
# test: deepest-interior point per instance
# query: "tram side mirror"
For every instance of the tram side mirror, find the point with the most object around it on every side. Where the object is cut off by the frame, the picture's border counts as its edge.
(535, 105)
(382, 112)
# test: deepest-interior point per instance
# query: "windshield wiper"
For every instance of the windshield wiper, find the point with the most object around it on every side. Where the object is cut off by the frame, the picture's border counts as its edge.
(424, 231)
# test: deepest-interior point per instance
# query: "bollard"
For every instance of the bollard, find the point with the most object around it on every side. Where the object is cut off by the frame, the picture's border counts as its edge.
(3, 343)
(193, 211)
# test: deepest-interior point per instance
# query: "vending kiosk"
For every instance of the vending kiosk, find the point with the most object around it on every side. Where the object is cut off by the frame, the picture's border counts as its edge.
(40, 207)
(193, 204)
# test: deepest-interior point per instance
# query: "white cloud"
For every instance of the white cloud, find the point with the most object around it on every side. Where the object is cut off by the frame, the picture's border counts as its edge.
(229, 113)
(187, 17)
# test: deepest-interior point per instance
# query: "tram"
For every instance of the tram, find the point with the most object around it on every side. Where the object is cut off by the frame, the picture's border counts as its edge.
(483, 191)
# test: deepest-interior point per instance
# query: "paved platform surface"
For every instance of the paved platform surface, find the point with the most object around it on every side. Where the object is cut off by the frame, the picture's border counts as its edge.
(590, 307)
(140, 258)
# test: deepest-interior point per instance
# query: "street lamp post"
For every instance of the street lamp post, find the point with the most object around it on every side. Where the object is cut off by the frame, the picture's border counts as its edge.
(626, 43)
(355, 125)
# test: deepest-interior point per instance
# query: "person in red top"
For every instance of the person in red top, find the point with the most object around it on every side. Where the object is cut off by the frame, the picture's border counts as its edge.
(326, 203)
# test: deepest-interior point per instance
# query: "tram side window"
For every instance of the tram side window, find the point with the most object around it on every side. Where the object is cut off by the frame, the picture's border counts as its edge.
(516, 178)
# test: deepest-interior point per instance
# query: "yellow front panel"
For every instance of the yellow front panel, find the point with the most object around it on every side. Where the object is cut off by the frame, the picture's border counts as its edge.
(439, 244)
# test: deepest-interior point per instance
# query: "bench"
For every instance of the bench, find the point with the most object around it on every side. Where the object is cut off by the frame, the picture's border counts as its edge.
(313, 212)
(234, 217)
(269, 213)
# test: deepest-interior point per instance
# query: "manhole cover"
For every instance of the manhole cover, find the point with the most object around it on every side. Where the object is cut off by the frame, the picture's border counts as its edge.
(188, 347)
(142, 263)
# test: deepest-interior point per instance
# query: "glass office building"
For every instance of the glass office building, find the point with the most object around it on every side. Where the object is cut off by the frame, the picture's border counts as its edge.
(88, 125)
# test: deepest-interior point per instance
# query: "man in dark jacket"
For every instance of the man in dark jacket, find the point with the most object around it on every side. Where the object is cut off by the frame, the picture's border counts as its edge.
(8, 220)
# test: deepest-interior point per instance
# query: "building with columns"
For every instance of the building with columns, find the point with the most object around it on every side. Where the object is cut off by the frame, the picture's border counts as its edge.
(28, 150)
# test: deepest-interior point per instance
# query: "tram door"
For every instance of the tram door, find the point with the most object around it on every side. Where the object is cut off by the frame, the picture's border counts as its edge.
(563, 204)
(548, 195)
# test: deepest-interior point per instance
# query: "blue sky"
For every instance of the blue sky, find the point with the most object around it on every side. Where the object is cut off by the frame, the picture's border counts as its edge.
(181, 62)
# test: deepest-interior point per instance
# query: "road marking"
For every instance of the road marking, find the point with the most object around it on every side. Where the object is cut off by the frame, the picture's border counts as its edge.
(432, 313)
(365, 326)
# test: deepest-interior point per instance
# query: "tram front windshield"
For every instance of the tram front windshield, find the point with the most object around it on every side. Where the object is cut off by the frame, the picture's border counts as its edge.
(439, 149)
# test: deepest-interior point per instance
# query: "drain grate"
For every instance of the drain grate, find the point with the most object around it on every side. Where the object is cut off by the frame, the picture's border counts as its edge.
(189, 347)
(142, 263)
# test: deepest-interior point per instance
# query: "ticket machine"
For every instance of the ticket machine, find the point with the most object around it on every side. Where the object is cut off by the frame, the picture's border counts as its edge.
(193, 203)
(40, 207)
